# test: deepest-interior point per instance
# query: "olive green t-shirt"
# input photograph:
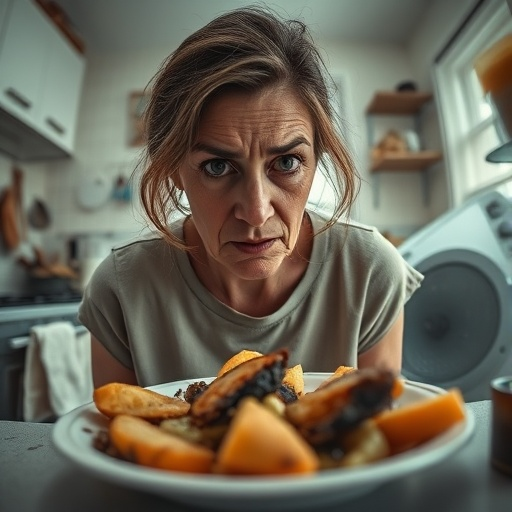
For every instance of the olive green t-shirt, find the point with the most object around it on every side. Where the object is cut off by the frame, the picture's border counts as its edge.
(146, 305)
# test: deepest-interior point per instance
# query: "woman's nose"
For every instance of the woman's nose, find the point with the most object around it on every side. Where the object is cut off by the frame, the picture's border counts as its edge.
(254, 201)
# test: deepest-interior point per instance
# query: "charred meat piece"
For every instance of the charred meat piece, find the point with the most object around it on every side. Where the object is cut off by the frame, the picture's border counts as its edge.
(286, 393)
(194, 390)
(256, 377)
(322, 415)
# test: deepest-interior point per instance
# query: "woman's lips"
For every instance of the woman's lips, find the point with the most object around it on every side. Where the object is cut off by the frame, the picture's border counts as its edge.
(254, 247)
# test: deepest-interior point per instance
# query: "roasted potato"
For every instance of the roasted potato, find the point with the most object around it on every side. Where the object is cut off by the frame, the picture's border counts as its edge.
(116, 398)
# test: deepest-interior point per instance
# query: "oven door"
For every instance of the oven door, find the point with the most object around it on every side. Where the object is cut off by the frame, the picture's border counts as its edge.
(12, 365)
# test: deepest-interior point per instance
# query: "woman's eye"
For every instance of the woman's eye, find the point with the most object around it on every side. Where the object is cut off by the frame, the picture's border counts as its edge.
(287, 163)
(217, 168)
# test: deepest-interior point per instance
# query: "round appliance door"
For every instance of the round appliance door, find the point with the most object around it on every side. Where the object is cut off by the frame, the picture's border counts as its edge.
(457, 324)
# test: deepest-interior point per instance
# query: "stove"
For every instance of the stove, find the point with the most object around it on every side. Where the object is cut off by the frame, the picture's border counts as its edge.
(18, 314)
(28, 300)
(16, 307)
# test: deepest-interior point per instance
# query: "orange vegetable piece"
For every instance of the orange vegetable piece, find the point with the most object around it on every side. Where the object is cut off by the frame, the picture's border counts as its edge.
(398, 388)
(259, 442)
(411, 425)
(148, 445)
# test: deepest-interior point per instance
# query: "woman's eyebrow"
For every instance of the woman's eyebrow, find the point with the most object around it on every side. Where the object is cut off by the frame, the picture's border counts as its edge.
(285, 148)
(227, 154)
(213, 150)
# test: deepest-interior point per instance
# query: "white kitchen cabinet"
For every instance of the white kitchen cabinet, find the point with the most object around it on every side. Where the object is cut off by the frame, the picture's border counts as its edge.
(61, 92)
(41, 77)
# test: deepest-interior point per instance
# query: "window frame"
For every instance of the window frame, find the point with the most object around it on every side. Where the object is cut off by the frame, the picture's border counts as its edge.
(459, 96)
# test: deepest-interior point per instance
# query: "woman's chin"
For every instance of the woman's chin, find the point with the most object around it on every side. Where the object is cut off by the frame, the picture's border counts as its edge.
(253, 269)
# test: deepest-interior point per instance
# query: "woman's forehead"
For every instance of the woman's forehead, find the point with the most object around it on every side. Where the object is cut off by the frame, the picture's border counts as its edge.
(271, 111)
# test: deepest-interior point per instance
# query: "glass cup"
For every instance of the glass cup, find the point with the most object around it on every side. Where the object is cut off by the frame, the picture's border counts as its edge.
(501, 427)
(493, 70)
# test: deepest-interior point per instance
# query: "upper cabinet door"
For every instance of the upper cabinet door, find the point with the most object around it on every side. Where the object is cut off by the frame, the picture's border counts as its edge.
(62, 90)
(22, 59)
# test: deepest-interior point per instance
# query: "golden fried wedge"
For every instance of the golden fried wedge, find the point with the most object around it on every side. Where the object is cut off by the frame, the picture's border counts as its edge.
(116, 398)
(238, 358)
(339, 372)
(146, 444)
(294, 378)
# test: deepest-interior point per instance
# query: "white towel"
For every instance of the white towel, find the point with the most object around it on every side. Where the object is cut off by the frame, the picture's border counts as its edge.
(58, 376)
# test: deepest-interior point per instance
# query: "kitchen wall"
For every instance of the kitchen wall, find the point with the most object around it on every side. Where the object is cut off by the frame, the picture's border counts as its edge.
(103, 152)
(34, 187)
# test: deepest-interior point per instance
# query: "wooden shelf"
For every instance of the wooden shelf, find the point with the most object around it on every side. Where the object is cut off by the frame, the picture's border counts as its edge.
(404, 103)
(405, 161)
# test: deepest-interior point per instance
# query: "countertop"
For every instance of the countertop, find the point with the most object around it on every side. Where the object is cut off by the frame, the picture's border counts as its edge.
(35, 477)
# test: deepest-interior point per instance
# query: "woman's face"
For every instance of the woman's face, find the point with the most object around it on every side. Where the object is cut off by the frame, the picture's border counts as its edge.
(247, 179)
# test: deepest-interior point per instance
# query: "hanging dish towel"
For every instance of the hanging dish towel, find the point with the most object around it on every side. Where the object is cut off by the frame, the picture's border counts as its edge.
(58, 375)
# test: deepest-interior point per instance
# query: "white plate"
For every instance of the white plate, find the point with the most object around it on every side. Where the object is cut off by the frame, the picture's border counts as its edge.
(73, 436)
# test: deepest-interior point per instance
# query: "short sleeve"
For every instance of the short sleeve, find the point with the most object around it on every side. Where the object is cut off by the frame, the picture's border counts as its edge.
(101, 295)
(390, 283)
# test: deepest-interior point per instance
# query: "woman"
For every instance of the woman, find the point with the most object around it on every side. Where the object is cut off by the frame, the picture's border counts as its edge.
(238, 121)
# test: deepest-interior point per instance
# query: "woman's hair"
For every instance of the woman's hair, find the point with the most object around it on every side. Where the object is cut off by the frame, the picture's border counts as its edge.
(249, 48)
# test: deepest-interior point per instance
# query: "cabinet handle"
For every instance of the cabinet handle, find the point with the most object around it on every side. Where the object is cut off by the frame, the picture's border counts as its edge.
(56, 126)
(18, 98)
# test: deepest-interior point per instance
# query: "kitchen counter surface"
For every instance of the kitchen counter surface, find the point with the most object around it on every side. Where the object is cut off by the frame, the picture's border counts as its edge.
(36, 478)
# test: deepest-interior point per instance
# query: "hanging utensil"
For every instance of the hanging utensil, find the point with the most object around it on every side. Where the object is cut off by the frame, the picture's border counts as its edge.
(9, 214)
(38, 215)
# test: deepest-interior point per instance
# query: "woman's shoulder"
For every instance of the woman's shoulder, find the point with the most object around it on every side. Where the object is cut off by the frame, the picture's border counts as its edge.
(139, 255)
(350, 233)
(147, 240)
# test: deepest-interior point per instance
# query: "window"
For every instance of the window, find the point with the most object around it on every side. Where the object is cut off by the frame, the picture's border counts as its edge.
(322, 197)
(469, 125)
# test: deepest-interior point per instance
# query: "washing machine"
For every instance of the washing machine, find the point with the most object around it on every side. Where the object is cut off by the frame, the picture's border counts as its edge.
(458, 324)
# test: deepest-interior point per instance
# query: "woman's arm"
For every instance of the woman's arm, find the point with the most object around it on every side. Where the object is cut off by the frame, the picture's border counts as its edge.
(106, 368)
(387, 353)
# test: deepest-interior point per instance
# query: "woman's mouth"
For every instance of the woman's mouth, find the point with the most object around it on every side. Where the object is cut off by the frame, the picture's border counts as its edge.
(256, 247)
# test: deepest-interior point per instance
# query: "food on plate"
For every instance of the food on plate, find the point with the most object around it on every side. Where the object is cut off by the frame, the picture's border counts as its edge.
(114, 398)
(238, 358)
(339, 372)
(343, 404)
(259, 442)
(361, 445)
(292, 384)
(255, 418)
(143, 443)
(294, 380)
(413, 424)
(255, 377)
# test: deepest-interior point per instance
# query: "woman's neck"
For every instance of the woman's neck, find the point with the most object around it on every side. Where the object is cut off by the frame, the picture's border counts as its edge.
(260, 297)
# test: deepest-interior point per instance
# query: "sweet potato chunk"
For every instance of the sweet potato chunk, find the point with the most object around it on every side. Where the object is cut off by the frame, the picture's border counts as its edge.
(258, 442)
(115, 398)
(413, 424)
(146, 444)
